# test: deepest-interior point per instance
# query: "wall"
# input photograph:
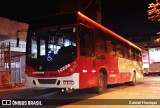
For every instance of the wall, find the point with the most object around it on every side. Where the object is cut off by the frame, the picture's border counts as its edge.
(9, 28)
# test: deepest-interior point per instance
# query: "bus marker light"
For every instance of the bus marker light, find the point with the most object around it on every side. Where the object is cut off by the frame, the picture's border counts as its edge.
(93, 70)
(84, 71)
(113, 75)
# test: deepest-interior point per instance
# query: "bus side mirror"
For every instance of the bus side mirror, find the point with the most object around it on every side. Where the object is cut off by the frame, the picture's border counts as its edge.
(17, 43)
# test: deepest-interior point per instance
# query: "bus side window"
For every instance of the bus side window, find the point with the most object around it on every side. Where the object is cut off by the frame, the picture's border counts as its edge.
(34, 51)
(126, 51)
(119, 49)
(86, 41)
(138, 55)
(100, 40)
(132, 54)
(110, 45)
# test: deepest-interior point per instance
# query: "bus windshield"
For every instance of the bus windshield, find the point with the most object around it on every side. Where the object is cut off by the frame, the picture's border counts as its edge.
(52, 46)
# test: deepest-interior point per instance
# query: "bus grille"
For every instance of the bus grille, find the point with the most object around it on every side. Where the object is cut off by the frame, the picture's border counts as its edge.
(47, 81)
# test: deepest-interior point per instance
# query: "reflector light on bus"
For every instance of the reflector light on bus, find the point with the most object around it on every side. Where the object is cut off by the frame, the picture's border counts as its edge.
(93, 70)
(84, 71)
(112, 75)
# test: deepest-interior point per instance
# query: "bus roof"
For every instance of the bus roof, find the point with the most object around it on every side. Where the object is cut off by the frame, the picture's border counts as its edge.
(107, 30)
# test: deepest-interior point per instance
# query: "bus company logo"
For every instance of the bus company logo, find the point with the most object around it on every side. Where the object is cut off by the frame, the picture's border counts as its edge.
(20, 102)
(6, 102)
(68, 82)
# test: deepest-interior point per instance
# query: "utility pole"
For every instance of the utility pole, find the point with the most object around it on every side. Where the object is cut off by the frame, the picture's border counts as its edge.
(91, 8)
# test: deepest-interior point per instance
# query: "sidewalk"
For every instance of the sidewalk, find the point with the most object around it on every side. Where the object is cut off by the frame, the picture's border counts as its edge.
(13, 89)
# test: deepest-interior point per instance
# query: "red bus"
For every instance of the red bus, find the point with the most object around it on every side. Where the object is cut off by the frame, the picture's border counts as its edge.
(71, 51)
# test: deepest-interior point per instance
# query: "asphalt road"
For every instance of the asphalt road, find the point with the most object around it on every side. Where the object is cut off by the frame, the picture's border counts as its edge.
(144, 94)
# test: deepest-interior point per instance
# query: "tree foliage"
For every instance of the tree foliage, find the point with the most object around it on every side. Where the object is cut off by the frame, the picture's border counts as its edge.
(154, 11)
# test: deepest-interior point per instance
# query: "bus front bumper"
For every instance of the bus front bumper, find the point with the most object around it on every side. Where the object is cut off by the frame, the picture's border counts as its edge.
(56, 82)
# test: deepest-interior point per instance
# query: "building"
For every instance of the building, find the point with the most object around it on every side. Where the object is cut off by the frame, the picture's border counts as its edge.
(12, 58)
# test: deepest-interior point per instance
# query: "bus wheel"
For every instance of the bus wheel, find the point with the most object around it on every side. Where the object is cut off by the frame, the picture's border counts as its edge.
(101, 83)
(133, 82)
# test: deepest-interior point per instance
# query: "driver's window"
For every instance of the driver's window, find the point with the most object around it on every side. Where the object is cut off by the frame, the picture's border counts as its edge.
(86, 41)
(34, 47)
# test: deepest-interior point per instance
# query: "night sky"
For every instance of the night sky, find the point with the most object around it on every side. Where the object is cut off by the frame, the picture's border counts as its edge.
(128, 17)
(125, 17)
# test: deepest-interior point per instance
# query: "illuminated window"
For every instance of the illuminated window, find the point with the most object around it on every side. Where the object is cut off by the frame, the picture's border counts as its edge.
(34, 47)
(42, 47)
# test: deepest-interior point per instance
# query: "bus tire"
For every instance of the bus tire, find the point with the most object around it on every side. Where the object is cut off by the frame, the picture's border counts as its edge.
(133, 82)
(101, 83)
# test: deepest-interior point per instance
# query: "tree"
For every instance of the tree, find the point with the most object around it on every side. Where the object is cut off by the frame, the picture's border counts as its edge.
(154, 11)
